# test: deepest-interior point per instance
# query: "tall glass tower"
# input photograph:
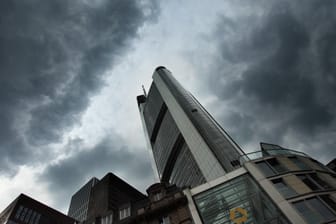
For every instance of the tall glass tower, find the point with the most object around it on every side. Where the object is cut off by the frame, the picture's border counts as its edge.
(189, 147)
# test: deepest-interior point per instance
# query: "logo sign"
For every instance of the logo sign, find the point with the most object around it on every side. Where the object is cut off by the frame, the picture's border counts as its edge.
(238, 215)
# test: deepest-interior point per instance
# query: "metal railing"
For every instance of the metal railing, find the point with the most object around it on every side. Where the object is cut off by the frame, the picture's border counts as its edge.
(270, 152)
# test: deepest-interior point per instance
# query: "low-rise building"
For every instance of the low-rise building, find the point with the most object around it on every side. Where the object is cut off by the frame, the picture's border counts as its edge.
(26, 210)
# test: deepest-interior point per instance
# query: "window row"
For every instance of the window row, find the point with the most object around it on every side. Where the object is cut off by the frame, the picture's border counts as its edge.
(271, 167)
(125, 212)
(27, 215)
(311, 180)
(107, 219)
(317, 209)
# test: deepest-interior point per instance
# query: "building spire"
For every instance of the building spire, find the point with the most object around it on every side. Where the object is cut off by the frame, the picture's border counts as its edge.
(144, 90)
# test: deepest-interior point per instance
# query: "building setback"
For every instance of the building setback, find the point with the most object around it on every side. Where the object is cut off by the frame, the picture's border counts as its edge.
(26, 210)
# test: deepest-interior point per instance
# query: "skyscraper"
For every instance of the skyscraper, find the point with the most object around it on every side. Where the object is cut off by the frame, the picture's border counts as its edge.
(272, 185)
(188, 145)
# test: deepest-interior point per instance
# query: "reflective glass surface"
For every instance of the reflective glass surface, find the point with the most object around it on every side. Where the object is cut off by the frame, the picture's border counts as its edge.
(314, 210)
(237, 200)
(283, 188)
(221, 144)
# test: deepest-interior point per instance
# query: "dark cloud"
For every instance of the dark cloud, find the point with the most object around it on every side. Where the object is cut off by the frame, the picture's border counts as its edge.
(276, 69)
(53, 56)
(112, 154)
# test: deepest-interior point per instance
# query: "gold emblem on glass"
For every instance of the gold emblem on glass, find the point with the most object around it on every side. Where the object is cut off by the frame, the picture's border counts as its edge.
(242, 217)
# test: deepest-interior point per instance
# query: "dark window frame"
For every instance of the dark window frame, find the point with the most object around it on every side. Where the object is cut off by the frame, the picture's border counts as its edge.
(273, 165)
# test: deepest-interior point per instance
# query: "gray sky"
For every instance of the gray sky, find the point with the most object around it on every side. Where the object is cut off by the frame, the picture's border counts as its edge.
(70, 72)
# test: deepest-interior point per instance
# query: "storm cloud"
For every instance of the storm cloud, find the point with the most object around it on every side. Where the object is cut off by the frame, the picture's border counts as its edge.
(275, 72)
(70, 72)
(112, 153)
(53, 58)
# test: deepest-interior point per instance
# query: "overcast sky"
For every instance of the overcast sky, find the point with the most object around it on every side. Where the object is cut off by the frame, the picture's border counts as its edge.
(70, 72)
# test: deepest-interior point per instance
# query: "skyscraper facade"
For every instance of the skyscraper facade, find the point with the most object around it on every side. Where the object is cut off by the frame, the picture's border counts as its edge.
(188, 145)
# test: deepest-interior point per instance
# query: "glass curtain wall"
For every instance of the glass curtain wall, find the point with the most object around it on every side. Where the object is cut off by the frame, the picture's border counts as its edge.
(237, 201)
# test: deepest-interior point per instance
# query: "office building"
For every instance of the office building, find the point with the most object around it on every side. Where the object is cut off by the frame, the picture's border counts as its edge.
(80, 201)
(112, 200)
(188, 145)
(272, 185)
(26, 210)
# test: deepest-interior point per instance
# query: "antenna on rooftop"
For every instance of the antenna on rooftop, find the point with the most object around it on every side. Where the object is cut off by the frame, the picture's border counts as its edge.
(143, 88)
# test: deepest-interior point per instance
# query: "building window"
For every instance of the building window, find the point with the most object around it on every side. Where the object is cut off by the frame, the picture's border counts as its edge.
(23, 214)
(314, 210)
(107, 219)
(314, 182)
(157, 196)
(37, 220)
(270, 167)
(28, 216)
(32, 218)
(18, 212)
(125, 212)
(165, 220)
(300, 164)
(283, 188)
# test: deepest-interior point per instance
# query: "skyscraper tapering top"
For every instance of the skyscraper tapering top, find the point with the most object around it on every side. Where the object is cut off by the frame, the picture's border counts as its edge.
(189, 146)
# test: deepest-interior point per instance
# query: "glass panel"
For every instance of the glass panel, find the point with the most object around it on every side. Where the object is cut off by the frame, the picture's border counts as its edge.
(165, 220)
(37, 220)
(312, 185)
(23, 214)
(319, 181)
(330, 202)
(111, 219)
(32, 218)
(267, 171)
(235, 199)
(18, 212)
(125, 212)
(321, 209)
(300, 164)
(157, 196)
(283, 188)
(307, 213)
(276, 165)
(28, 215)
